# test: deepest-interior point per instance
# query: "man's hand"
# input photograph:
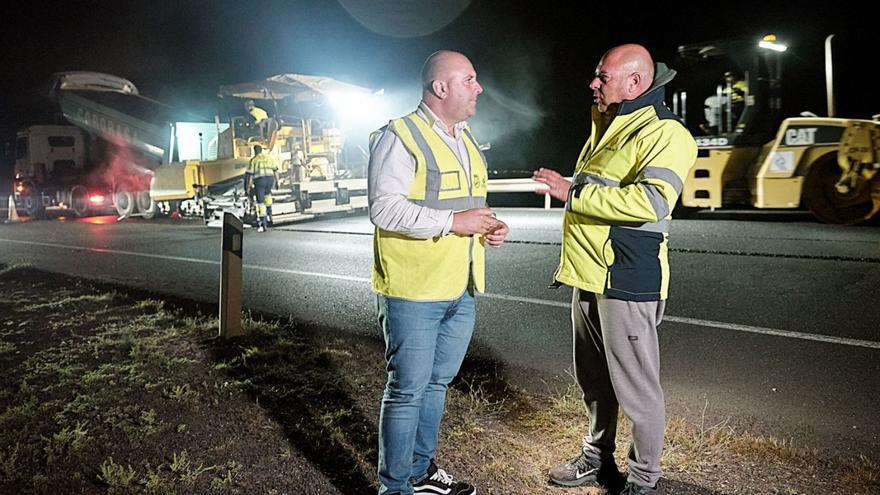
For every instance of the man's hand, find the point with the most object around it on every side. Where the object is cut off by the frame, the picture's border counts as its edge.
(558, 184)
(496, 237)
(478, 221)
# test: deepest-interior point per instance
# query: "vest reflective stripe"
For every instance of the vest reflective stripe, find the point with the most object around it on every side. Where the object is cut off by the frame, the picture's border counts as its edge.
(663, 174)
(658, 202)
(439, 268)
(447, 186)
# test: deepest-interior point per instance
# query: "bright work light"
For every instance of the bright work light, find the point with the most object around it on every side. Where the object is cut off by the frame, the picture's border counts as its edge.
(356, 106)
(770, 43)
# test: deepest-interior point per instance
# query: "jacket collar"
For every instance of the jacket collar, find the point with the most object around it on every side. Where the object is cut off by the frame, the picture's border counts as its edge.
(654, 95)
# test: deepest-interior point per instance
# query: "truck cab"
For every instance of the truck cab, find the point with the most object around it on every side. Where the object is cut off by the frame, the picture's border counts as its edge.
(51, 164)
(43, 150)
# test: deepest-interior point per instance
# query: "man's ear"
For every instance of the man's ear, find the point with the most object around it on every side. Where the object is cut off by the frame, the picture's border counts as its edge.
(634, 82)
(438, 88)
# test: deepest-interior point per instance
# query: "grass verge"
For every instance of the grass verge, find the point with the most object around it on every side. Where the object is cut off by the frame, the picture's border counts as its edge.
(106, 390)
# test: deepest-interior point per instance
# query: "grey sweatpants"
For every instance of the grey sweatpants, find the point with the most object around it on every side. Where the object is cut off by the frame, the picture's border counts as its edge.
(617, 363)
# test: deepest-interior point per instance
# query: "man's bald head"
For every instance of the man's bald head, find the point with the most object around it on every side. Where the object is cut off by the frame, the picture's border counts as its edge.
(439, 64)
(625, 72)
(449, 86)
(633, 59)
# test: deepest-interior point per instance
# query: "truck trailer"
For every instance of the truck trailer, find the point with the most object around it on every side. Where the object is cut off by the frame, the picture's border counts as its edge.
(117, 138)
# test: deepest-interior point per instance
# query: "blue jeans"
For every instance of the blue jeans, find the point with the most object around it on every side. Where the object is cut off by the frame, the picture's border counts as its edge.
(425, 344)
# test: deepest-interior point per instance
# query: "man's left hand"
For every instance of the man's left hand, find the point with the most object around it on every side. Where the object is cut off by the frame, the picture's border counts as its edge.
(496, 237)
(558, 184)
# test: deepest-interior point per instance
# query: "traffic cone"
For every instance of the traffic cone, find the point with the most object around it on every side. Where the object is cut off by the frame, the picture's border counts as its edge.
(12, 216)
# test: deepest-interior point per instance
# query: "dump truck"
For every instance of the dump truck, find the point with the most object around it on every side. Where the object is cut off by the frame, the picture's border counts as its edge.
(111, 142)
(750, 156)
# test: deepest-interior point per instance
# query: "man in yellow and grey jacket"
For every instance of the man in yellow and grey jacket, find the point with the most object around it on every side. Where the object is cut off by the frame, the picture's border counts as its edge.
(614, 254)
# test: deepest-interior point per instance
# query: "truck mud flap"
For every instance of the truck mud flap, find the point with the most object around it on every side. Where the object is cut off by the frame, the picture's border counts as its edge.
(302, 198)
(342, 196)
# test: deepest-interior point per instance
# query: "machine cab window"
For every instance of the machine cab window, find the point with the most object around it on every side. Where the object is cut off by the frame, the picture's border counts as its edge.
(728, 91)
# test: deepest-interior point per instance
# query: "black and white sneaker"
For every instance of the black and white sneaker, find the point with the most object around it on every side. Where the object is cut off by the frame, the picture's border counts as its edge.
(439, 482)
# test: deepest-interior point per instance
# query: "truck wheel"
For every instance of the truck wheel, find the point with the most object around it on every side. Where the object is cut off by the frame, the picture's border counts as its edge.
(32, 201)
(79, 201)
(124, 201)
(145, 205)
(830, 205)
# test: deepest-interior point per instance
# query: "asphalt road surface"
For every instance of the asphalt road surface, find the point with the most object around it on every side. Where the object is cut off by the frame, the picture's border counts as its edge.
(771, 326)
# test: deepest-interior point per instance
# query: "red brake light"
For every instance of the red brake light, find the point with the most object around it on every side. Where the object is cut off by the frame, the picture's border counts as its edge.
(97, 199)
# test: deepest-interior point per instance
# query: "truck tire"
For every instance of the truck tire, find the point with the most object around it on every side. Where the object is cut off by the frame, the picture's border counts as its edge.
(79, 201)
(32, 202)
(124, 201)
(830, 205)
(145, 205)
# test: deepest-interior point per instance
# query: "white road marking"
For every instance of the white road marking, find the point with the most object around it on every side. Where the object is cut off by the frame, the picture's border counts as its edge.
(346, 278)
(528, 300)
(772, 331)
(716, 324)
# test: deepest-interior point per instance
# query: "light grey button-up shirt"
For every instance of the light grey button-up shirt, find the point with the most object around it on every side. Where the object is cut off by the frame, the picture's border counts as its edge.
(391, 172)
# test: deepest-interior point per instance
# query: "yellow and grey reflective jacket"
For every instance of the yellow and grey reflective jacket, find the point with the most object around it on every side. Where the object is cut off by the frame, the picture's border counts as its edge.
(626, 183)
(258, 114)
(434, 269)
(262, 165)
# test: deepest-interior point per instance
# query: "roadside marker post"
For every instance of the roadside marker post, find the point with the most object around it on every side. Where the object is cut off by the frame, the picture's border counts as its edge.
(230, 277)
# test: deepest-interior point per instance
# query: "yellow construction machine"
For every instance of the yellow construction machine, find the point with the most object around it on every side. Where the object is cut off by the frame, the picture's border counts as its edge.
(749, 156)
(315, 175)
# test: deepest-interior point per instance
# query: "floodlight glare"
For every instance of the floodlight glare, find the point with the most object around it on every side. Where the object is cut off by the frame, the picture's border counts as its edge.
(770, 43)
(356, 105)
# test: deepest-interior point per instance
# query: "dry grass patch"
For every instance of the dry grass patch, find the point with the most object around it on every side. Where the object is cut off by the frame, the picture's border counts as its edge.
(132, 395)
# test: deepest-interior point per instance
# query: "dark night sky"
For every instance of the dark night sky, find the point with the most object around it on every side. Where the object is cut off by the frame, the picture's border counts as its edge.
(534, 60)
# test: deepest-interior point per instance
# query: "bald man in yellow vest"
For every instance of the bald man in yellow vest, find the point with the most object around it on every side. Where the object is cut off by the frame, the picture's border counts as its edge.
(427, 193)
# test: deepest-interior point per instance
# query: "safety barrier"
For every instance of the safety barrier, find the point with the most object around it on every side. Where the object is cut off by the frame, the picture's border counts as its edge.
(518, 185)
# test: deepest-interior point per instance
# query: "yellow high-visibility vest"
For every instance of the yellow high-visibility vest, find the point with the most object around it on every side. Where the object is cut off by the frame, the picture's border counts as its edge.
(262, 165)
(258, 114)
(436, 269)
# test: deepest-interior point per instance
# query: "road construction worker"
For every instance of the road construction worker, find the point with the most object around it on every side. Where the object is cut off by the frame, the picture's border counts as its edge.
(298, 164)
(614, 255)
(261, 176)
(259, 117)
(733, 88)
